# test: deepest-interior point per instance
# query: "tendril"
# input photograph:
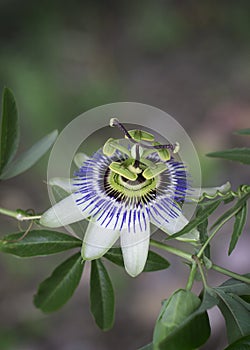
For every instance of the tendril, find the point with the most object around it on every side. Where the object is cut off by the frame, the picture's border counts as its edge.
(242, 189)
(25, 215)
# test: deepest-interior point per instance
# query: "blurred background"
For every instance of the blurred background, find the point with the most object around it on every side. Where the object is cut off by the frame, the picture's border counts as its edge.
(188, 58)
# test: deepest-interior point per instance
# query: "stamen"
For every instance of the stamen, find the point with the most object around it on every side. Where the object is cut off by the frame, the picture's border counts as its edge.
(168, 146)
(114, 122)
(172, 147)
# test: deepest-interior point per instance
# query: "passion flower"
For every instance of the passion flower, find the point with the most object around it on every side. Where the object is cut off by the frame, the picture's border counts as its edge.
(122, 189)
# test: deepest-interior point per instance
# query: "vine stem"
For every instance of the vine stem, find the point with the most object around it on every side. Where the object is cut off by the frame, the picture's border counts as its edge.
(230, 273)
(201, 251)
(189, 257)
(172, 250)
(203, 277)
(18, 216)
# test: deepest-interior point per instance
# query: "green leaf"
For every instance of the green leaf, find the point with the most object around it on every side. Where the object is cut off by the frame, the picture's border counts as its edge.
(241, 155)
(246, 298)
(147, 347)
(235, 286)
(245, 303)
(243, 132)
(9, 134)
(236, 315)
(234, 210)
(155, 262)
(30, 157)
(56, 290)
(197, 221)
(209, 299)
(115, 256)
(38, 243)
(241, 344)
(102, 299)
(240, 220)
(182, 324)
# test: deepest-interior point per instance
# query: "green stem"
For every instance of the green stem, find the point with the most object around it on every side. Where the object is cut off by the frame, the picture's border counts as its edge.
(172, 250)
(213, 234)
(10, 213)
(204, 281)
(191, 276)
(193, 271)
(18, 216)
(231, 273)
(189, 257)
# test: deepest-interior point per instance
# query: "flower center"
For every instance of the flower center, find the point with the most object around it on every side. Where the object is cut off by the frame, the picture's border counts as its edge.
(127, 182)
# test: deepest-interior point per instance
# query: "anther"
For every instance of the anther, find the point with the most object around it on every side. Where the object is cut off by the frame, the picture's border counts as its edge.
(168, 146)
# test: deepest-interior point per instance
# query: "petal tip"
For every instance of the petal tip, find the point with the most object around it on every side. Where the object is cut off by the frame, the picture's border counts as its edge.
(89, 253)
(133, 272)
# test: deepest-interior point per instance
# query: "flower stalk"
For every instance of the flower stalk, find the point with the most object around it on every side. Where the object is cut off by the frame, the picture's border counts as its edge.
(19, 215)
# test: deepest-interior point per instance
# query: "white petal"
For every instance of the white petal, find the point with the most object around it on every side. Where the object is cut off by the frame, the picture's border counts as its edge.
(79, 159)
(63, 182)
(175, 225)
(210, 191)
(64, 212)
(135, 247)
(97, 241)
